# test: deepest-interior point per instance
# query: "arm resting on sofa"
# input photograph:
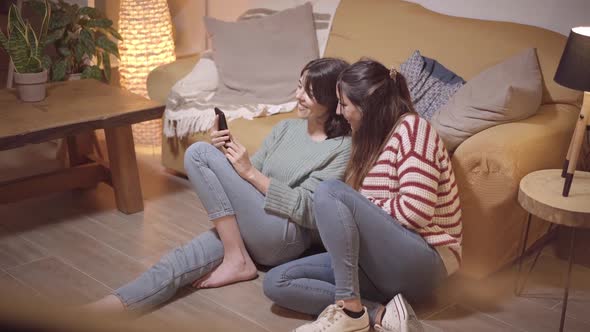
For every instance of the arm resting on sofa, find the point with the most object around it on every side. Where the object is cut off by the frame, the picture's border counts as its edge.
(488, 168)
(162, 78)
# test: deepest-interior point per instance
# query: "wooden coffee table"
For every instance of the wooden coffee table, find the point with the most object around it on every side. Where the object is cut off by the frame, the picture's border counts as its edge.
(72, 108)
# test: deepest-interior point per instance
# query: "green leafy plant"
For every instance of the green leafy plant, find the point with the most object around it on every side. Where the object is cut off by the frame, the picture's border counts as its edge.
(24, 46)
(83, 40)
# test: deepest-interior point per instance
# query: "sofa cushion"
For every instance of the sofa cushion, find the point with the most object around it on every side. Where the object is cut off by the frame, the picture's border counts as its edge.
(430, 83)
(259, 60)
(390, 30)
(323, 13)
(509, 91)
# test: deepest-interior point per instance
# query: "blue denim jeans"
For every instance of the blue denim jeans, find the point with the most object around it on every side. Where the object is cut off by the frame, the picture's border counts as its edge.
(370, 255)
(270, 239)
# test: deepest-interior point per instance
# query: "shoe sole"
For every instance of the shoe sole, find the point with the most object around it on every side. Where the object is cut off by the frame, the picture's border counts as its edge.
(412, 324)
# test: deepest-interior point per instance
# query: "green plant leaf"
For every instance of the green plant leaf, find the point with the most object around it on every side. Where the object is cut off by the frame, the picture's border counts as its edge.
(45, 23)
(53, 36)
(58, 70)
(87, 39)
(106, 59)
(46, 60)
(99, 59)
(92, 72)
(79, 52)
(107, 45)
(37, 6)
(59, 19)
(90, 12)
(64, 51)
(99, 23)
(110, 31)
(4, 41)
(15, 21)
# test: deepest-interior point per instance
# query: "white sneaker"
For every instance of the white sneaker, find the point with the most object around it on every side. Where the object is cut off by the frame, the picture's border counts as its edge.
(334, 319)
(399, 317)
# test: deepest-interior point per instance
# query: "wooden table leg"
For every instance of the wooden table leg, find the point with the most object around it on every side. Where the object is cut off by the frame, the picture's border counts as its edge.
(567, 281)
(124, 172)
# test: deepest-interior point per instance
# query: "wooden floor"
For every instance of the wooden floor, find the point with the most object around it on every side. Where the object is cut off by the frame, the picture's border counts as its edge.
(73, 248)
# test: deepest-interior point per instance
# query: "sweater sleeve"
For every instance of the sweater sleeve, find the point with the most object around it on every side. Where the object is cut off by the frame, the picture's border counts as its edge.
(259, 156)
(418, 175)
(296, 203)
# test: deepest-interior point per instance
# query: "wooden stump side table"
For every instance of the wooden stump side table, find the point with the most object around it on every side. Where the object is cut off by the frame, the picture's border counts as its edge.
(540, 194)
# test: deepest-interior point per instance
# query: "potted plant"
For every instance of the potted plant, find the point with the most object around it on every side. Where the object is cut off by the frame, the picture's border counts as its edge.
(83, 41)
(25, 47)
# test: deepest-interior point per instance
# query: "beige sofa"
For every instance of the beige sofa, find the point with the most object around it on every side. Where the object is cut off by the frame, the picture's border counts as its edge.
(490, 164)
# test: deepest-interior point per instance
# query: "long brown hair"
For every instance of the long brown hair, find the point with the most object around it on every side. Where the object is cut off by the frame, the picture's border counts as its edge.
(320, 84)
(384, 99)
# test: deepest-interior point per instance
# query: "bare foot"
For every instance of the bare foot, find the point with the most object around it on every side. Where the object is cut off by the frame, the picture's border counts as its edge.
(229, 272)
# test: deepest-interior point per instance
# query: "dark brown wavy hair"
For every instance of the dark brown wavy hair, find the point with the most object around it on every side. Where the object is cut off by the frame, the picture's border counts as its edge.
(320, 84)
(383, 99)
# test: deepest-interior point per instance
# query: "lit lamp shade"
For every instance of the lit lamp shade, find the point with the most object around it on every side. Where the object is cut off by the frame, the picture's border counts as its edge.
(146, 28)
(574, 67)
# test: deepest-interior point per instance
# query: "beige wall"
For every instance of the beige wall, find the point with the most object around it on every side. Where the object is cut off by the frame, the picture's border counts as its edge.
(556, 15)
(189, 33)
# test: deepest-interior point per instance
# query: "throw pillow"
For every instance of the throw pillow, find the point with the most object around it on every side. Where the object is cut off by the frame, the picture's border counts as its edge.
(509, 91)
(259, 60)
(430, 83)
(323, 13)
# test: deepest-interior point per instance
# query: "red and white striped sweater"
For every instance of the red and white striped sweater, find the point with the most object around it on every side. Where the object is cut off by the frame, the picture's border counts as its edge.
(414, 182)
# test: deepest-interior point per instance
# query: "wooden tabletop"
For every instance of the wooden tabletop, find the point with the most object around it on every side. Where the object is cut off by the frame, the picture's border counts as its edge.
(540, 193)
(70, 108)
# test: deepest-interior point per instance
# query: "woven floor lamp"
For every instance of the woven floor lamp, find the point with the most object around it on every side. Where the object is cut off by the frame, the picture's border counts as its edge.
(146, 28)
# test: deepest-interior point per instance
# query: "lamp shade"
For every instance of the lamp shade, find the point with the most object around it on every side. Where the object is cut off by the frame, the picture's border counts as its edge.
(574, 67)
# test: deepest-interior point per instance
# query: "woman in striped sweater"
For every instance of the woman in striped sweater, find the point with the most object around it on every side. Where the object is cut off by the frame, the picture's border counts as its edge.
(393, 228)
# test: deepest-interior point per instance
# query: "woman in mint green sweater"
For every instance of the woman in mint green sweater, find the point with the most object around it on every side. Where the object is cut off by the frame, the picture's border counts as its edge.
(261, 207)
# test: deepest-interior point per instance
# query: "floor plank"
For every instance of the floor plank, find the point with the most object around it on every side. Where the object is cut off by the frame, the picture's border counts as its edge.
(203, 315)
(59, 282)
(458, 318)
(9, 285)
(246, 299)
(14, 250)
(86, 254)
(134, 245)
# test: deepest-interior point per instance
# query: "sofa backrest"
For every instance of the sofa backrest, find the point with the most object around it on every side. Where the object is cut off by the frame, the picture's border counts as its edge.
(390, 30)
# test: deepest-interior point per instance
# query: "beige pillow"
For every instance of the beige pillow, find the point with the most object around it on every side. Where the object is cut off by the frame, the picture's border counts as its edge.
(259, 60)
(509, 91)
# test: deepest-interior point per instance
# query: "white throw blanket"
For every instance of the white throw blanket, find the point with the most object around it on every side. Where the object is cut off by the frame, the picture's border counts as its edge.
(189, 109)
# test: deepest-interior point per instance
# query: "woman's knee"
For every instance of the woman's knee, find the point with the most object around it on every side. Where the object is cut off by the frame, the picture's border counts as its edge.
(197, 153)
(274, 282)
(329, 189)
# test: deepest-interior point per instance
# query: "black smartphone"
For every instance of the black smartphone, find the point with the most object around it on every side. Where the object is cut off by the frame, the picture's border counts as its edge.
(222, 120)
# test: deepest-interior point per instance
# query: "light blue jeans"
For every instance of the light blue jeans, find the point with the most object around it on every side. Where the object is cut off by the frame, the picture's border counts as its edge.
(370, 255)
(270, 239)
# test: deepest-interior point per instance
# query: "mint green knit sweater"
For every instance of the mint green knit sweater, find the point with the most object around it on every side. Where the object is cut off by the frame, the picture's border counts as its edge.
(295, 165)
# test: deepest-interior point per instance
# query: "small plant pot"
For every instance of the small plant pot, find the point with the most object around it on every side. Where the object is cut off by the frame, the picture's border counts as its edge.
(31, 87)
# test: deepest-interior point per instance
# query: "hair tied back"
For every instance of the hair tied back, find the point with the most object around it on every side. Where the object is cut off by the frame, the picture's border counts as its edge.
(393, 74)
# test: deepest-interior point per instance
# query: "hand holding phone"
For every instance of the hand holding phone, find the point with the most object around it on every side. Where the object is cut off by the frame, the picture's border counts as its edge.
(220, 136)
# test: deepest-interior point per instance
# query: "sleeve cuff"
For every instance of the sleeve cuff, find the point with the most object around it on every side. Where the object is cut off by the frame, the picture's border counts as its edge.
(280, 198)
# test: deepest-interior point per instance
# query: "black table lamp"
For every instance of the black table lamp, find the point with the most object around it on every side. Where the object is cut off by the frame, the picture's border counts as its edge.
(574, 72)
